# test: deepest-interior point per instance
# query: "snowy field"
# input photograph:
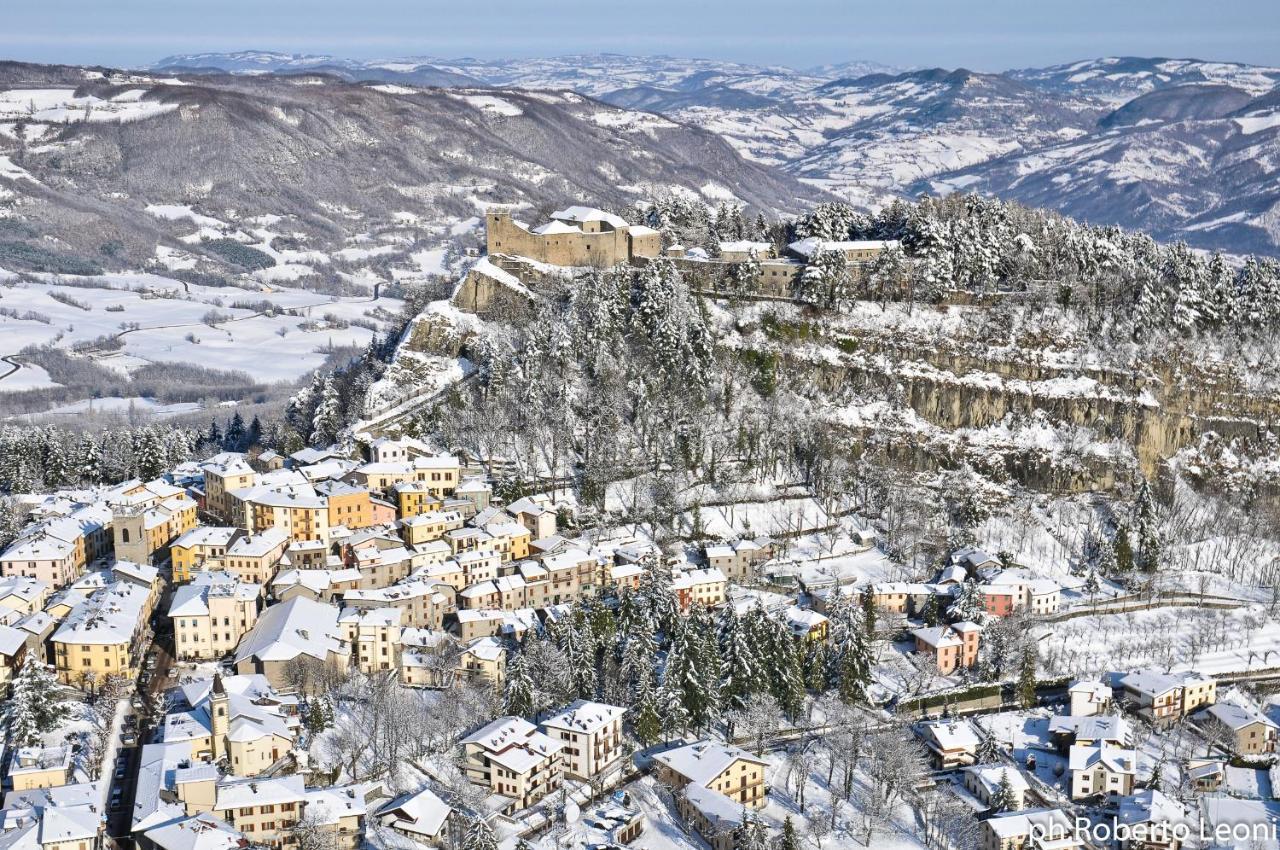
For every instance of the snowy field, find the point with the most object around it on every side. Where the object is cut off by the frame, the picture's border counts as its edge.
(160, 320)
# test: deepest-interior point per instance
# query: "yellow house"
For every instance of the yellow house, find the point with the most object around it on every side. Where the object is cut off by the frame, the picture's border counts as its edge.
(256, 557)
(416, 497)
(429, 526)
(189, 552)
(349, 506)
(222, 474)
(40, 767)
(23, 595)
(725, 768)
(265, 810)
(101, 636)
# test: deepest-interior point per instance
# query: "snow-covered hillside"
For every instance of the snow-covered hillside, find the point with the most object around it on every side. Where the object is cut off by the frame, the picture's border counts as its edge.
(1177, 146)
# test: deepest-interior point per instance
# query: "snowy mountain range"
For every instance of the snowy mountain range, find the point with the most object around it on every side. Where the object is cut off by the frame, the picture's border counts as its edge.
(1187, 149)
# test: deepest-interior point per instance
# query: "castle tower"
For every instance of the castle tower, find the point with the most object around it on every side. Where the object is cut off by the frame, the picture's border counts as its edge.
(129, 535)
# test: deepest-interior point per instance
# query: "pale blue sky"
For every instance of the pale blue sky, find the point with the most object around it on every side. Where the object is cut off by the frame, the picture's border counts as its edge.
(991, 35)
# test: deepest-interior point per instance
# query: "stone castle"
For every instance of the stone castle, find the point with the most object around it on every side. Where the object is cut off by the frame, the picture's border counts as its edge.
(575, 236)
(579, 236)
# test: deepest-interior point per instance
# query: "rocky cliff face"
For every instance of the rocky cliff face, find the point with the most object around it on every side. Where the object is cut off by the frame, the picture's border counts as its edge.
(1021, 413)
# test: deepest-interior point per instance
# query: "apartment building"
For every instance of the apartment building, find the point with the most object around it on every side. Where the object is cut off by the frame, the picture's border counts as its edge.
(265, 810)
(101, 636)
(374, 636)
(211, 614)
(224, 473)
(510, 757)
(349, 506)
(592, 736)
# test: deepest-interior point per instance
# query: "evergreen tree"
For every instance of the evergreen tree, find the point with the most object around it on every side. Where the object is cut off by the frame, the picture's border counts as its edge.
(234, 438)
(740, 670)
(988, 750)
(869, 613)
(1003, 799)
(88, 460)
(932, 614)
(519, 699)
(479, 836)
(968, 604)
(1027, 678)
(646, 721)
(34, 708)
(789, 840)
(1147, 527)
(327, 421)
(150, 459)
(1123, 549)
(750, 834)
(1091, 584)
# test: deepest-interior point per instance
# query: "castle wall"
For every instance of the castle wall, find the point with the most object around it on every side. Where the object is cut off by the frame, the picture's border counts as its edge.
(605, 246)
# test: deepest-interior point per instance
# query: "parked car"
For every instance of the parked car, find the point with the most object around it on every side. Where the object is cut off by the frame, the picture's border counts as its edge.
(129, 739)
(121, 771)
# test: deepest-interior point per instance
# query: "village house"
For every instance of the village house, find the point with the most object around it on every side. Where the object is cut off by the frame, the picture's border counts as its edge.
(1249, 731)
(299, 629)
(191, 550)
(419, 815)
(40, 767)
(1066, 731)
(429, 526)
(738, 560)
(1088, 697)
(592, 737)
(13, 650)
(1154, 820)
(349, 506)
(254, 558)
(43, 557)
(1163, 698)
(951, 743)
(949, 647)
(856, 251)
(374, 636)
(211, 614)
(510, 757)
(265, 810)
(723, 768)
(23, 595)
(715, 816)
(339, 814)
(806, 625)
(222, 474)
(201, 831)
(1101, 769)
(698, 587)
(983, 781)
(1032, 829)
